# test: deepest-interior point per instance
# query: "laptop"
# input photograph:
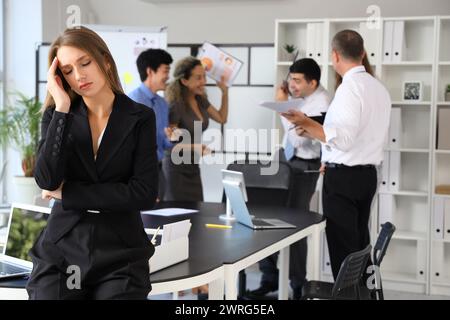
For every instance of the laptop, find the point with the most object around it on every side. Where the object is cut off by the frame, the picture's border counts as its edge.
(23, 227)
(240, 210)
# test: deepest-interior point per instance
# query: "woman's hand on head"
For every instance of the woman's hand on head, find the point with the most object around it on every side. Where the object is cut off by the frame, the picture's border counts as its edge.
(56, 89)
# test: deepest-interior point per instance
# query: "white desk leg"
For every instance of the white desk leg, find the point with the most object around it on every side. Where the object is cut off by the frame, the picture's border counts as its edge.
(315, 263)
(231, 276)
(283, 275)
(216, 289)
(175, 295)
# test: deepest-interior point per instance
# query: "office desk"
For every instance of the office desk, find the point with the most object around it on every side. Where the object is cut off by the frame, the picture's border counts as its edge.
(217, 255)
(237, 248)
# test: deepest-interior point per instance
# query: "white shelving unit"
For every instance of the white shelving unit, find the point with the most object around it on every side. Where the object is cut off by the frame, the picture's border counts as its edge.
(440, 221)
(414, 166)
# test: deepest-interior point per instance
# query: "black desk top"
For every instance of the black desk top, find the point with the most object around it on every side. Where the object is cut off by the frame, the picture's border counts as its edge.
(210, 248)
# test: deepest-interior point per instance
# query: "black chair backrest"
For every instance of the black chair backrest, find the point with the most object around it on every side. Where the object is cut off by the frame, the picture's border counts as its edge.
(351, 271)
(265, 189)
(379, 251)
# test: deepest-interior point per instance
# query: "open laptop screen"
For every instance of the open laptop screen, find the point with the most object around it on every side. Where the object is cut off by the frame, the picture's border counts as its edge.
(25, 226)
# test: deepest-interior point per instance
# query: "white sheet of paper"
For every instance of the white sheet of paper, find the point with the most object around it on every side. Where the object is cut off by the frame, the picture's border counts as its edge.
(168, 212)
(283, 106)
(173, 231)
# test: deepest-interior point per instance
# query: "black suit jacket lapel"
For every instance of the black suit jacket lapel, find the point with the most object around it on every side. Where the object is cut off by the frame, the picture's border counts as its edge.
(121, 121)
(83, 140)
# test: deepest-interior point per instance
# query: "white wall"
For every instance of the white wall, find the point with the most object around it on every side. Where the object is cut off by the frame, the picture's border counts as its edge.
(246, 21)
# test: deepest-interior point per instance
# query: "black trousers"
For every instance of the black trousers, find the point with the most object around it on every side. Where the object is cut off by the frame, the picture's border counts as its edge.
(108, 268)
(347, 197)
(302, 191)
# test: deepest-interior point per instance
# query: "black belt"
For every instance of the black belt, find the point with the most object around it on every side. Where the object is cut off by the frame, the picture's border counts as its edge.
(343, 166)
(307, 160)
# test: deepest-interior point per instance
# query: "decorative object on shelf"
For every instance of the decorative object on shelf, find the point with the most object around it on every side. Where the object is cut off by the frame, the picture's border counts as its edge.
(443, 189)
(19, 128)
(412, 90)
(290, 51)
(447, 93)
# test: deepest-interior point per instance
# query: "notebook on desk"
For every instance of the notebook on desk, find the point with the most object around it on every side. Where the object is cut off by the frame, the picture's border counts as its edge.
(24, 225)
(240, 210)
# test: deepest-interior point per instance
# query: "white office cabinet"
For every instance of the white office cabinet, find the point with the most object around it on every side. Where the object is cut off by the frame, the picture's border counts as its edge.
(438, 218)
(413, 161)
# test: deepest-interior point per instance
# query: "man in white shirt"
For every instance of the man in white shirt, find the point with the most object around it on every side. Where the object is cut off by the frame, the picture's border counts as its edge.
(302, 154)
(352, 137)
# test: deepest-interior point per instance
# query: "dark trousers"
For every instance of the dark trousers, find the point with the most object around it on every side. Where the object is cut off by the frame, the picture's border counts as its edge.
(108, 268)
(302, 191)
(347, 198)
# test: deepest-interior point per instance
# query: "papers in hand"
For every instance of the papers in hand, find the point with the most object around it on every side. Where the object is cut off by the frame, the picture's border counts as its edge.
(283, 106)
(218, 63)
(168, 212)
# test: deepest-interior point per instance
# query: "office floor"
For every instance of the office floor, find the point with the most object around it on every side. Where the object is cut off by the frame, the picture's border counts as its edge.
(253, 276)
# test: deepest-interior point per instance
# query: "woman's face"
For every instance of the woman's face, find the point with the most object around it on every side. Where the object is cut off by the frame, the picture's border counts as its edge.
(197, 80)
(81, 71)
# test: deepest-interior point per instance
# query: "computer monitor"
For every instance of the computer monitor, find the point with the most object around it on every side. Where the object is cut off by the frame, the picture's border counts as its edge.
(235, 177)
(25, 224)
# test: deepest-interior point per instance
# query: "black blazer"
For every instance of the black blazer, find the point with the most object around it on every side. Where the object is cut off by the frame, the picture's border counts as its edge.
(122, 180)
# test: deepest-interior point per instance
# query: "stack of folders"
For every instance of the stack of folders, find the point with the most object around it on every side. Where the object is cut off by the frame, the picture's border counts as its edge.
(172, 247)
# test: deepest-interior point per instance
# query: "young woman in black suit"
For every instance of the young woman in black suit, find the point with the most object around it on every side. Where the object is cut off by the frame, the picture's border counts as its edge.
(97, 159)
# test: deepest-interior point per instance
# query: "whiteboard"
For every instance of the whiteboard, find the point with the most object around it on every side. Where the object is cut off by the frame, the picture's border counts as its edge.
(125, 44)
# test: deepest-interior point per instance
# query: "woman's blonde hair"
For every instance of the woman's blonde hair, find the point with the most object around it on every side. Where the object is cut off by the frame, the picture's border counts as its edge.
(88, 41)
(176, 91)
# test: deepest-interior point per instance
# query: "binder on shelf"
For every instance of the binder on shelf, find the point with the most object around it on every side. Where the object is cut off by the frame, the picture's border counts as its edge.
(370, 37)
(386, 208)
(421, 260)
(398, 42)
(310, 40)
(394, 170)
(438, 260)
(387, 41)
(447, 219)
(438, 218)
(326, 267)
(384, 185)
(318, 47)
(443, 138)
(395, 128)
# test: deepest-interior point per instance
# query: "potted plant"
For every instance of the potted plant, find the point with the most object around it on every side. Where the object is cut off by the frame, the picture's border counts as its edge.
(19, 128)
(290, 51)
(447, 93)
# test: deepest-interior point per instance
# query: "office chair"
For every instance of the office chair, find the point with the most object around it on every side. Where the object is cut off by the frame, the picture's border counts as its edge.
(263, 190)
(348, 279)
(379, 251)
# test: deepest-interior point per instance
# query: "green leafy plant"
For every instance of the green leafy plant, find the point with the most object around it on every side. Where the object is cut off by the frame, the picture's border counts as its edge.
(19, 128)
(290, 48)
(448, 88)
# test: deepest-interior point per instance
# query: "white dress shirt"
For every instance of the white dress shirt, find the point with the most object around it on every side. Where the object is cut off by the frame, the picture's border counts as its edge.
(313, 105)
(357, 121)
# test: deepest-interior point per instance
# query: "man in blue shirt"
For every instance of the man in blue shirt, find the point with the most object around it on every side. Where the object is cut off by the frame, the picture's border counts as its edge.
(154, 67)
